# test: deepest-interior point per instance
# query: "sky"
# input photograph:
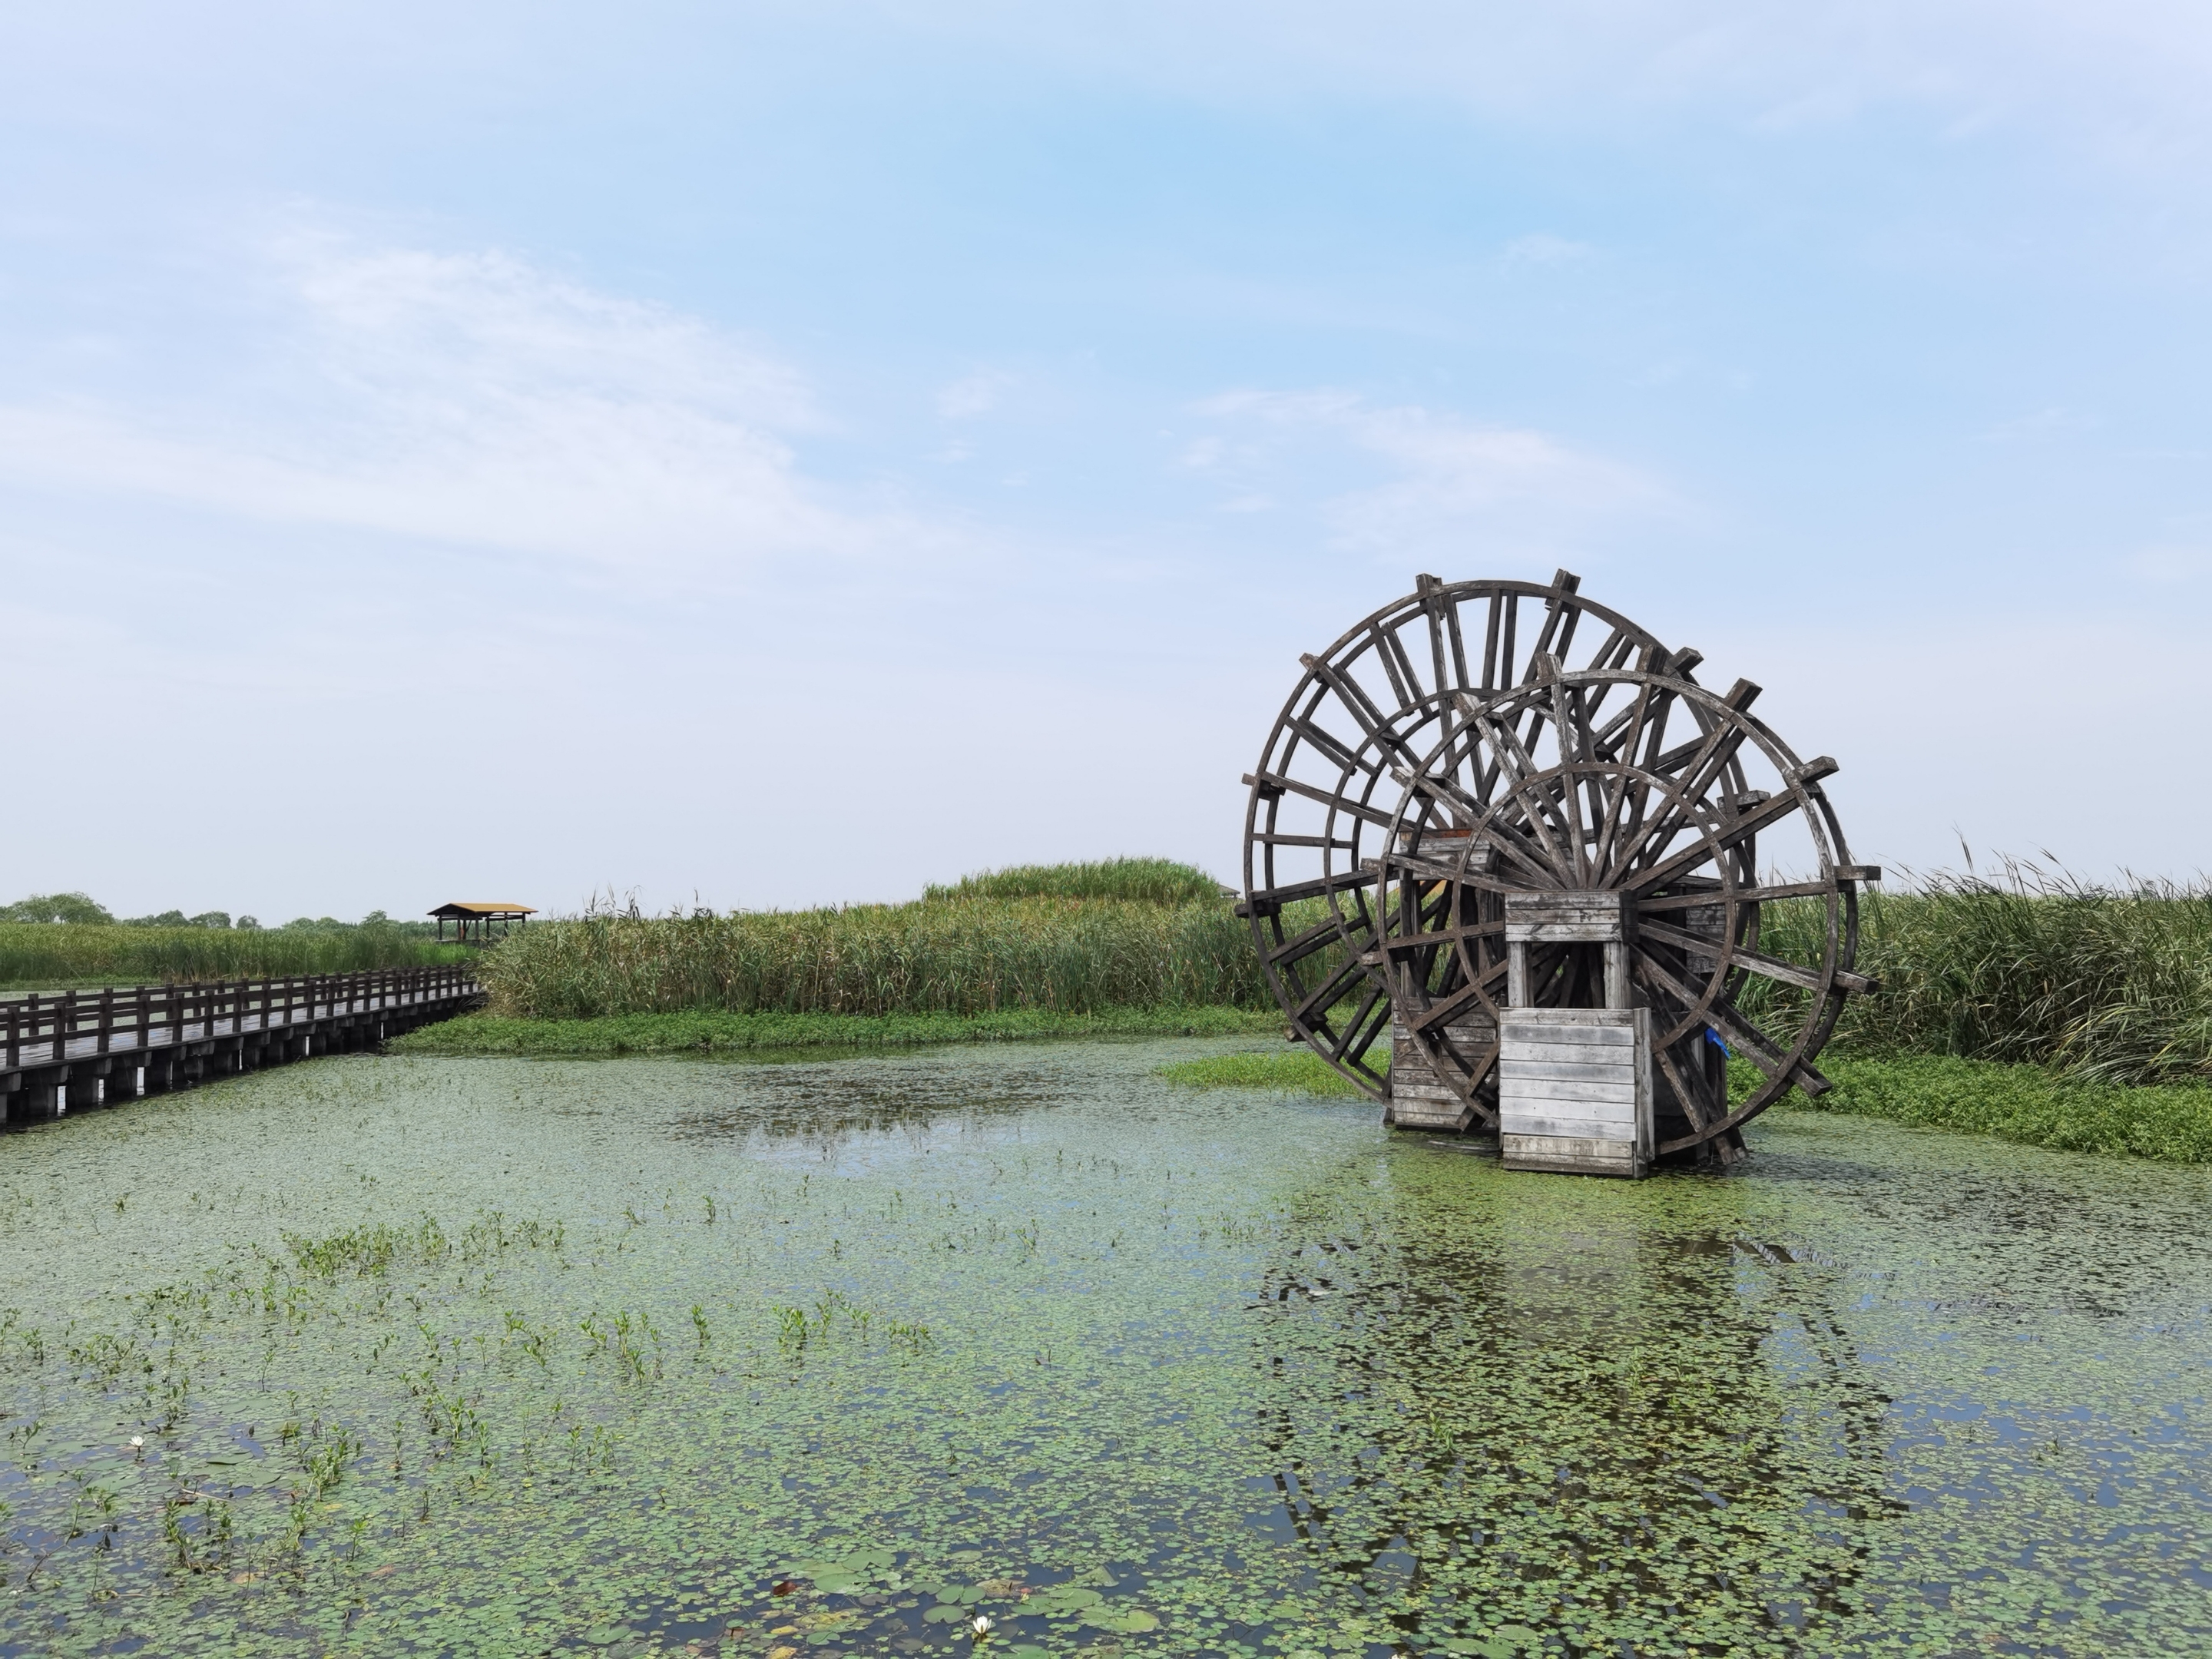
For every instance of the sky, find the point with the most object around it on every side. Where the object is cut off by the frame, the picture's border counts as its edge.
(766, 454)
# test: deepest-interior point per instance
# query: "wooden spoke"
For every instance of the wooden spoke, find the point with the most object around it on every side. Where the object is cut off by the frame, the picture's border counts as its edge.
(1318, 937)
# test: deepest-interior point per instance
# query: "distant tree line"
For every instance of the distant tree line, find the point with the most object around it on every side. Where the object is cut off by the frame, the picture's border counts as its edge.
(82, 910)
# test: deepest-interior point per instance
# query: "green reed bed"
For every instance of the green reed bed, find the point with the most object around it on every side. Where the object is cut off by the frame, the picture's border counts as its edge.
(1139, 881)
(703, 1030)
(44, 955)
(2111, 986)
(1075, 939)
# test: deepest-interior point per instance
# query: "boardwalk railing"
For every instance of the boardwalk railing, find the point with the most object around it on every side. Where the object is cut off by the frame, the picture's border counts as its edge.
(64, 1052)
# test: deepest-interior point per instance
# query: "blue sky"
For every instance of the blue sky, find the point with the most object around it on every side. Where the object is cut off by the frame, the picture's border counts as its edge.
(789, 453)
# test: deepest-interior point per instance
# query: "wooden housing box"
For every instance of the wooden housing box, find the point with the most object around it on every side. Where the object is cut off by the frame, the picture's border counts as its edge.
(1419, 1098)
(1574, 1090)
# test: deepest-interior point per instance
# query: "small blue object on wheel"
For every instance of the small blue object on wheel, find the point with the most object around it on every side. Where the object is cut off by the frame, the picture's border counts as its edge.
(1714, 1037)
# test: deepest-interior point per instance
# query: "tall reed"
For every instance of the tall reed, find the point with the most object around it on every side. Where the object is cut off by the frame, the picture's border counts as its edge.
(975, 956)
(1140, 881)
(2102, 984)
(37, 955)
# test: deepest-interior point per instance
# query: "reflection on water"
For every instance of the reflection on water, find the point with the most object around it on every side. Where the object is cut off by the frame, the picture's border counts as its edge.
(518, 1357)
(1589, 1417)
(829, 1107)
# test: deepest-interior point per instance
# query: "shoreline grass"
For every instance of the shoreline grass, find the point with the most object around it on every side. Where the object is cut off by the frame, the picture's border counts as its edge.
(2016, 1102)
(2019, 1101)
(695, 1031)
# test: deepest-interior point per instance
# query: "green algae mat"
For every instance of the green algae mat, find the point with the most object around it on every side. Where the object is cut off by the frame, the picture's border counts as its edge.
(1026, 1351)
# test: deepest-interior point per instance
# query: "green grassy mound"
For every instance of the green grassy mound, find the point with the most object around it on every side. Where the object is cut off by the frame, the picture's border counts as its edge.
(706, 1030)
(2173, 1123)
(1294, 1071)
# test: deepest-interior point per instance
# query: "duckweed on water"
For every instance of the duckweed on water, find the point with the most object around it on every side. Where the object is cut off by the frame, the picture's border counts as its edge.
(504, 1357)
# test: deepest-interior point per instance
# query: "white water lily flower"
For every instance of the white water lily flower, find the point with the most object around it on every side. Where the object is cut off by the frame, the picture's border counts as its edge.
(981, 1623)
(138, 1439)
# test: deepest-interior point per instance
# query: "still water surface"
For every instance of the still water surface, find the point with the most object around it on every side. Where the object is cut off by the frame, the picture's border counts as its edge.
(509, 1357)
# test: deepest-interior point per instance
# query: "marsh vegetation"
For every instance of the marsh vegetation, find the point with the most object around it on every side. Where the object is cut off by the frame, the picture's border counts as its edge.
(55, 940)
(1064, 940)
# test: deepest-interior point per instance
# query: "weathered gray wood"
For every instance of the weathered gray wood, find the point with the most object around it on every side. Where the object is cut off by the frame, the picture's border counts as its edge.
(1572, 1053)
(1569, 1155)
(1611, 1131)
(1561, 1019)
(1544, 1083)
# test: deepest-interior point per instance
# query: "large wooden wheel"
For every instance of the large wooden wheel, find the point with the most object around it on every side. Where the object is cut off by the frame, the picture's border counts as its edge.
(1604, 770)
(1366, 713)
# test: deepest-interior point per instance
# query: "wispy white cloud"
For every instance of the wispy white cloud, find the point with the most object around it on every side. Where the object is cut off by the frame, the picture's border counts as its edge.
(972, 395)
(2124, 76)
(1541, 248)
(472, 399)
(1444, 475)
(2173, 561)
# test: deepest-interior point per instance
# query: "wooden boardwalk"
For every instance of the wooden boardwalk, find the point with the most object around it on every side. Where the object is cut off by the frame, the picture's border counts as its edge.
(88, 1049)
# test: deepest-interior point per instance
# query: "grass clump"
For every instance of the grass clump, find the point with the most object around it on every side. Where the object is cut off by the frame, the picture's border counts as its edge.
(710, 1031)
(2022, 1103)
(1297, 1071)
(1136, 881)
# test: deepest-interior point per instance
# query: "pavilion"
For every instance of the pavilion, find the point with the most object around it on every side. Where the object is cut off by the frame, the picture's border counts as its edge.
(474, 920)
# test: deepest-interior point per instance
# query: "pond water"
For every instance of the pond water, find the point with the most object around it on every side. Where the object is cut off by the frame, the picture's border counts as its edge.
(517, 1357)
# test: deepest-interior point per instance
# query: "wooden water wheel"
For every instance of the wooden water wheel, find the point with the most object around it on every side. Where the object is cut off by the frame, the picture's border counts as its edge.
(1480, 746)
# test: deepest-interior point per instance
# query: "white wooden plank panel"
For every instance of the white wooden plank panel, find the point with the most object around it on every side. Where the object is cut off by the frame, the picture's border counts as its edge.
(1584, 1128)
(1561, 1071)
(1573, 1154)
(1580, 1037)
(1618, 1020)
(1572, 1054)
(1623, 1094)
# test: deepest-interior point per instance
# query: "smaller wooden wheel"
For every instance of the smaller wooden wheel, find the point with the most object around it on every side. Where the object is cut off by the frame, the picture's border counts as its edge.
(1640, 784)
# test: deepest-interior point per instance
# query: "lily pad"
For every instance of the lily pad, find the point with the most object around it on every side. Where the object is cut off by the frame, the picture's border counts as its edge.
(1127, 1621)
(1062, 1598)
(603, 1636)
